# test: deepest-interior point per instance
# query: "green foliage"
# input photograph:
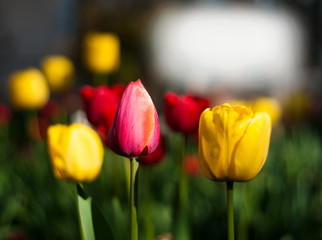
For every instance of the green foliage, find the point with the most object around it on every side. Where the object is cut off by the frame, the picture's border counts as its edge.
(283, 202)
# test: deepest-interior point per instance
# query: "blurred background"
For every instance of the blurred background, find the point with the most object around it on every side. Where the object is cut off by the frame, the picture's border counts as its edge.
(227, 51)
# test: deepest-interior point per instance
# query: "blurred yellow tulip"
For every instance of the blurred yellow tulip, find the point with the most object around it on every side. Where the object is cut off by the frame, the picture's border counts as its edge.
(101, 52)
(268, 105)
(28, 89)
(233, 142)
(239, 102)
(262, 104)
(76, 152)
(59, 71)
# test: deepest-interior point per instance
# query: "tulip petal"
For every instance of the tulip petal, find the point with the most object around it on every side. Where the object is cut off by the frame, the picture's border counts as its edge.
(57, 150)
(87, 92)
(251, 152)
(136, 125)
(231, 124)
(155, 138)
(76, 152)
(82, 151)
(182, 113)
(209, 148)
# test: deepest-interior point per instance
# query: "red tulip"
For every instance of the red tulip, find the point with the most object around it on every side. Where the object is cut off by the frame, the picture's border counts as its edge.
(182, 112)
(51, 110)
(5, 114)
(155, 157)
(191, 165)
(135, 131)
(100, 105)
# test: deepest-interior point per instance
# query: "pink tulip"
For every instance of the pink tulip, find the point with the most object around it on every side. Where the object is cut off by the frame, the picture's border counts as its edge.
(135, 131)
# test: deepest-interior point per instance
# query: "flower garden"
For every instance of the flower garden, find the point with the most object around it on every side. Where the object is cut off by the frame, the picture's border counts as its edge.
(107, 159)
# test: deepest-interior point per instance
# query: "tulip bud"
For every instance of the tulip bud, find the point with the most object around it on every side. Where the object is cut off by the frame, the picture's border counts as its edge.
(100, 105)
(28, 89)
(76, 152)
(233, 143)
(182, 113)
(59, 71)
(135, 130)
(101, 52)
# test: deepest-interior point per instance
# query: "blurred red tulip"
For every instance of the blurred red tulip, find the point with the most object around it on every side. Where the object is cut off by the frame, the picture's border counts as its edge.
(50, 111)
(5, 114)
(100, 106)
(37, 128)
(155, 157)
(182, 112)
(135, 130)
(191, 165)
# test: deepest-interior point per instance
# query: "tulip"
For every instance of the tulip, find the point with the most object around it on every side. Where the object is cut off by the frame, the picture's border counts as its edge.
(100, 105)
(135, 131)
(268, 105)
(59, 71)
(233, 142)
(50, 111)
(191, 165)
(28, 89)
(5, 114)
(263, 104)
(233, 146)
(76, 152)
(101, 52)
(182, 112)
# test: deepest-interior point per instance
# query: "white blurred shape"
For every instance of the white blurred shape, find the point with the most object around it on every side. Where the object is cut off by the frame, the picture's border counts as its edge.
(237, 46)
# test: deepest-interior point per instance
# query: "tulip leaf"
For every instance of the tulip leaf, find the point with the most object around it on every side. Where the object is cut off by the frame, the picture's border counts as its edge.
(85, 214)
(92, 222)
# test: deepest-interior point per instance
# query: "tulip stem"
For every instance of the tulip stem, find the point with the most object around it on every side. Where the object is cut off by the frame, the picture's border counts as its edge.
(230, 211)
(181, 227)
(133, 199)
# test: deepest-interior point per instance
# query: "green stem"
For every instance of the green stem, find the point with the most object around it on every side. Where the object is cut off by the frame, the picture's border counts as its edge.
(183, 185)
(181, 216)
(230, 211)
(133, 199)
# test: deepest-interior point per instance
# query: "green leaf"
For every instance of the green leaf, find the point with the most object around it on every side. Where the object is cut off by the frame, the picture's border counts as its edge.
(92, 222)
(84, 203)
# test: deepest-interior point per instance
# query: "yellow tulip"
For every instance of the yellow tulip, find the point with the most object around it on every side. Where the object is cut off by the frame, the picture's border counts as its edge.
(76, 152)
(269, 105)
(233, 142)
(59, 71)
(28, 89)
(262, 104)
(101, 52)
